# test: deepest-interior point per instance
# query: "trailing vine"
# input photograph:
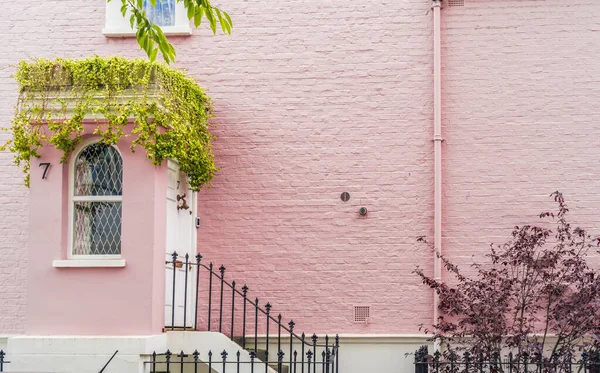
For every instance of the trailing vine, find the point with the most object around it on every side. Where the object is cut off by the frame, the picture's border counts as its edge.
(169, 112)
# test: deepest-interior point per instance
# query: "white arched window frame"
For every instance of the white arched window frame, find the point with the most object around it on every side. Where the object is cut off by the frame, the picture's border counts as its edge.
(95, 219)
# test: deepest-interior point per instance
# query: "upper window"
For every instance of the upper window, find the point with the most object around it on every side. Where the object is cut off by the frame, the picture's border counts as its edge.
(163, 14)
(96, 199)
(170, 15)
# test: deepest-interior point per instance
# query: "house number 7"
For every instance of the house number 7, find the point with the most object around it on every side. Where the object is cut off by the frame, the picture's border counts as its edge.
(46, 164)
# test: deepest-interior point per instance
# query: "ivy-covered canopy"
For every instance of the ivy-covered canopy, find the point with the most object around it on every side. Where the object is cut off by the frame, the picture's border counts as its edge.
(169, 112)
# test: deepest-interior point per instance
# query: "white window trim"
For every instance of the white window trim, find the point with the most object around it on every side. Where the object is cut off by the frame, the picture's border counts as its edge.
(77, 260)
(88, 263)
(118, 26)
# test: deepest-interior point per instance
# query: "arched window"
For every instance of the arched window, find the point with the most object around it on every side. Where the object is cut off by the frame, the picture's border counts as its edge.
(96, 197)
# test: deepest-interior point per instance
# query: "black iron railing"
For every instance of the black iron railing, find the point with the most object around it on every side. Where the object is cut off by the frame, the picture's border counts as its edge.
(240, 362)
(3, 360)
(108, 362)
(586, 362)
(219, 305)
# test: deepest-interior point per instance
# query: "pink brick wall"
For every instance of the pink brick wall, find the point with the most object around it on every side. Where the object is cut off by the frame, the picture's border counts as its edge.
(14, 215)
(521, 116)
(317, 98)
(338, 99)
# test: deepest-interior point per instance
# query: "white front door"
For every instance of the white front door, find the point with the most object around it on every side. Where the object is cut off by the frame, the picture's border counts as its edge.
(181, 238)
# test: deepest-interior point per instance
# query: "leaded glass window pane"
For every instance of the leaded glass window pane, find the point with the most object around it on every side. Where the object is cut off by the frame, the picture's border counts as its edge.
(99, 171)
(97, 206)
(97, 228)
(163, 14)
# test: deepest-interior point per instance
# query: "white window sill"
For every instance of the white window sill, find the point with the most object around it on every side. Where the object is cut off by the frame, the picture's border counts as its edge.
(88, 263)
(123, 32)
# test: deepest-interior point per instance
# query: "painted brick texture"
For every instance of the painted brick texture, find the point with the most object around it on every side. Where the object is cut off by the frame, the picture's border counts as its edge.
(520, 117)
(313, 100)
(317, 98)
(332, 102)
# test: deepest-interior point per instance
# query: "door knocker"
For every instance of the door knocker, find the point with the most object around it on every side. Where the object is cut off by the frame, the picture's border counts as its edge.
(181, 202)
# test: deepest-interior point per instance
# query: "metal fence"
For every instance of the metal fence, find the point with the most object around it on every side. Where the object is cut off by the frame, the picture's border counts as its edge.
(585, 362)
(307, 362)
(226, 308)
(3, 360)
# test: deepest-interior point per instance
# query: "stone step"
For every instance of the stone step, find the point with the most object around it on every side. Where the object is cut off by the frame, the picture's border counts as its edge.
(262, 356)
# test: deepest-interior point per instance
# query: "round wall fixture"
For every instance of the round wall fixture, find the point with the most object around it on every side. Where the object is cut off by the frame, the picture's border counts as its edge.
(362, 211)
(345, 196)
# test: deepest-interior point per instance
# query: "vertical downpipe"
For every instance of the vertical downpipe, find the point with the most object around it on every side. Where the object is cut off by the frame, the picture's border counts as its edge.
(437, 156)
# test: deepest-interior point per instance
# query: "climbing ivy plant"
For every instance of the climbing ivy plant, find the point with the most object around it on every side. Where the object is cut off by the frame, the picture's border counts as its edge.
(167, 111)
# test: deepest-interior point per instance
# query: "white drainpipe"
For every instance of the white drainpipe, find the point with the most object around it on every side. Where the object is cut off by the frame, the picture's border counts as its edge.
(437, 155)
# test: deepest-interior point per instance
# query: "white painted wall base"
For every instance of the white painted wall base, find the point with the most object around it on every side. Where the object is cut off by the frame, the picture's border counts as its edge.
(71, 354)
(360, 353)
(79, 354)
(83, 354)
(379, 353)
(3, 341)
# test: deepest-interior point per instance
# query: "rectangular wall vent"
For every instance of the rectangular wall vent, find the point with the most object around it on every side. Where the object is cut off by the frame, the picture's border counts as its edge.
(361, 313)
(456, 2)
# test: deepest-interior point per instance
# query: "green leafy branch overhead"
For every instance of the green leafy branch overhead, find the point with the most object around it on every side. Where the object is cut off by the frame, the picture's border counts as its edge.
(151, 37)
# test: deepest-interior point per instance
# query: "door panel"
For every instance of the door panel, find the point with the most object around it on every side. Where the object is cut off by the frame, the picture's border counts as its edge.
(180, 238)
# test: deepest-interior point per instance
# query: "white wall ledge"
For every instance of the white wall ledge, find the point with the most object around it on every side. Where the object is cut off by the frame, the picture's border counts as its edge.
(89, 263)
(124, 32)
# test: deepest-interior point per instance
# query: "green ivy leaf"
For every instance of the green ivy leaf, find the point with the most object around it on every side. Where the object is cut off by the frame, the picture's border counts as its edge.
(198, 16)
(223, 25)
(143, 41)
(228, 20)
(153, 55)
(191, 10)
(211, 18)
